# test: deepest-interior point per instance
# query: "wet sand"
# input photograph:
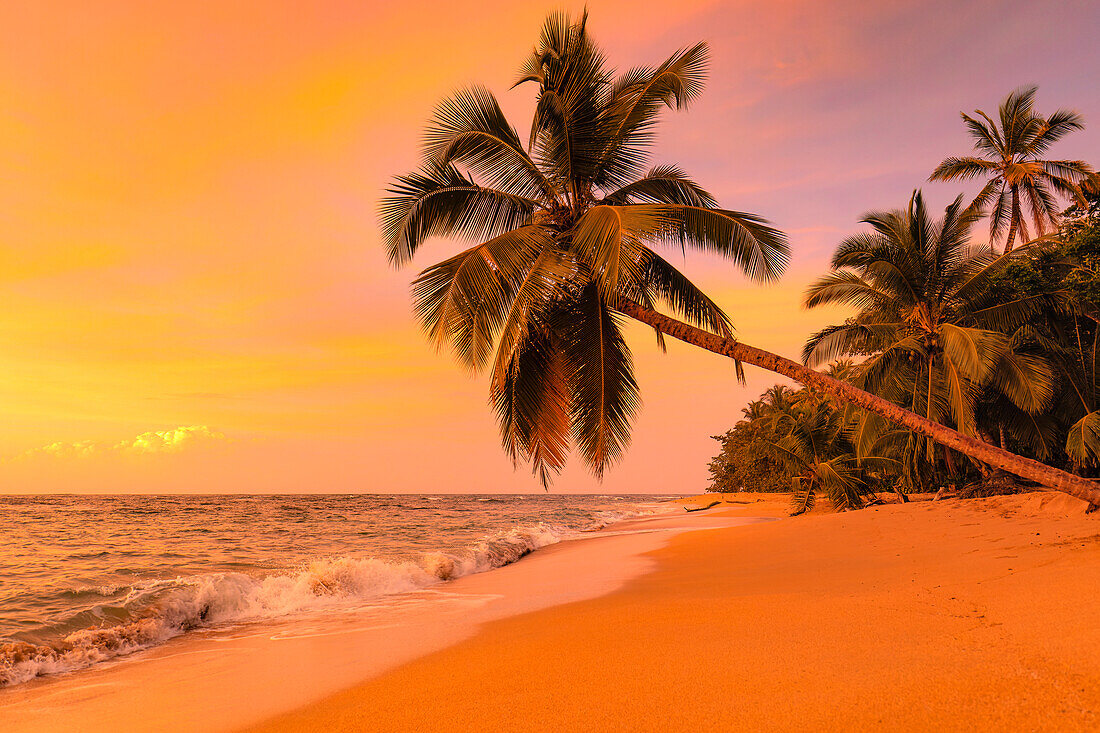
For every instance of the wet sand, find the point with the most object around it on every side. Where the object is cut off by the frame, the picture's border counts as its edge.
(949, 616)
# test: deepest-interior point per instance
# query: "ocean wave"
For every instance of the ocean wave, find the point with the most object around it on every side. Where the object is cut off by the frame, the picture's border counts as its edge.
(155, 611)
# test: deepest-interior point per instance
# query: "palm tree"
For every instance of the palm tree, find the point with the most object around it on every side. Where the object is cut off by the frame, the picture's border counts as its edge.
(754, 410)
(568, 227)
(1011, 158)
(934, 330)
(815, 446)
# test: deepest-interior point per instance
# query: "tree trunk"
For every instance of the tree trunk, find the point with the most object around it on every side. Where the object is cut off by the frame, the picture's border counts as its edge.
(1014, 224)
(1048, 476)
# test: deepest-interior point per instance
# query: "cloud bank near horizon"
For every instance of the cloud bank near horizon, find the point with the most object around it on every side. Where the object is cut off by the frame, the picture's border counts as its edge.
(174, 440)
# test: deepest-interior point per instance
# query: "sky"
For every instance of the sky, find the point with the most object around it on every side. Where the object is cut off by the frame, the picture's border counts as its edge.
(193, 294)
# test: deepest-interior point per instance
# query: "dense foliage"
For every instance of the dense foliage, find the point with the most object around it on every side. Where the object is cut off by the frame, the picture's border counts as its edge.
(1067, 432)
(747, 461)
(1002, 347)
(950, 317)
(799, 441)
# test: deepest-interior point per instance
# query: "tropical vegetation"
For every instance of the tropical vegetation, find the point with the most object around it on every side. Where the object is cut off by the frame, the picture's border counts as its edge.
(1013, 357)
(568, 229)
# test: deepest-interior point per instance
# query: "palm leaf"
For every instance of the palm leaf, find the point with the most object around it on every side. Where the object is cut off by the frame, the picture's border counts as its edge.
(441, 202)
(608, 239)
(973, 351)
(1025, 380)
(962, 169)
(532, 404)
(635, 100)
(833, 342)
(1083, 441)
(684, 297)
(847, 288)
(761, 251)
(542, 283)
(663, 185)
(463, 300)
(470, 128)
(604, 392)
(802, 496)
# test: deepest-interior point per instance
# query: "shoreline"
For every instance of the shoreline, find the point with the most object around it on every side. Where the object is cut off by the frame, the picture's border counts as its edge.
(224, 679)
(954, 615)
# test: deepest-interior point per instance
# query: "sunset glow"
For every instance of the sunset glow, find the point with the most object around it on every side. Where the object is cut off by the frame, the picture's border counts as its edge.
(194, 293)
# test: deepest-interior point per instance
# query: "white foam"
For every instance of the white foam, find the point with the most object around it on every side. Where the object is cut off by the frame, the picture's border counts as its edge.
(170, 607)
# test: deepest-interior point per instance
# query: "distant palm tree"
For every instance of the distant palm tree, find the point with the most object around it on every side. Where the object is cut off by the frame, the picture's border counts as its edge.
(1011, 158)
(567, 226)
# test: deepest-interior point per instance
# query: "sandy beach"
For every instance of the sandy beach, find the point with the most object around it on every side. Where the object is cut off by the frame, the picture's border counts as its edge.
(954, 615)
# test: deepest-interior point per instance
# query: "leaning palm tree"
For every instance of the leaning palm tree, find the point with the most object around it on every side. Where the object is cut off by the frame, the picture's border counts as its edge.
(569, 227)
(1011, 158)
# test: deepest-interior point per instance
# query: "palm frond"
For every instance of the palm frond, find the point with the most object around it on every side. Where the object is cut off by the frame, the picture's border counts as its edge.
(846, 288)
(471, 129)
(959, 394)
(1083, 440)
(569, 130)
(846, 339)
(761, 251)
(974, 351)
(665, 184)
(635, 101)
(1009, 315)
(845, 487)
(802, 497)
(684, 297)
(1053, 129)
(608, 239)
(440, 202)
(1026, 380)
(542, 283)
(463, 299)
(961, 169)
(986, 136)
(532, 404)
(604, 392)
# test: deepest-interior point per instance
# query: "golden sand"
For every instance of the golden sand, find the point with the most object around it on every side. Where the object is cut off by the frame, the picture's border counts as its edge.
(959, 615)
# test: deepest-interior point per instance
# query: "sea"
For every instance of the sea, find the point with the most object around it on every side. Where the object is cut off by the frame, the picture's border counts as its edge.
(89, 579)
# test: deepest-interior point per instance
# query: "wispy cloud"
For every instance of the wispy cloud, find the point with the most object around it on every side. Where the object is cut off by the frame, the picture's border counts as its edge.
(174, 440)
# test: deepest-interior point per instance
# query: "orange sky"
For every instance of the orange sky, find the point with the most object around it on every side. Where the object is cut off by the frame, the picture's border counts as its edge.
(193, 293)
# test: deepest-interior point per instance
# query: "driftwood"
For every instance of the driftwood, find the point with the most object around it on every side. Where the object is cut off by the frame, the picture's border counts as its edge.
(701, 508)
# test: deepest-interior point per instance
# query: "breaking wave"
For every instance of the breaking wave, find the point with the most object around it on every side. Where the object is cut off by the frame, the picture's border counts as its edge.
(154, 611)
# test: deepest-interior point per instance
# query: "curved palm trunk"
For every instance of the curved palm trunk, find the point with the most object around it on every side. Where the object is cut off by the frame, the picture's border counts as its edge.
(1048, 476)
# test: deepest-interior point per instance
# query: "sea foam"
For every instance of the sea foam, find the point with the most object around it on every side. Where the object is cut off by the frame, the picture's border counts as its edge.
(157, 610)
